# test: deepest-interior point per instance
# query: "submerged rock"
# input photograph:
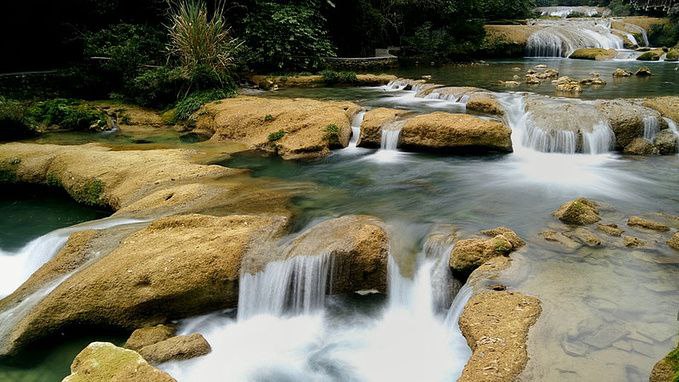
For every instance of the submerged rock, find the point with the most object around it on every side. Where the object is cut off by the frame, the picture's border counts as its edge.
(651, 55)
(621, 73)
(176, 348)
(610, 229)
(105, 362)
(586, 237)
(469, 254)
(643, 72)
(568, 85)
(496, 325)
(673, 242)
(149, 336)
(456, 133)
(637, 221)
(580, 211)
(558, 237)
(632, 242)
(293, 128)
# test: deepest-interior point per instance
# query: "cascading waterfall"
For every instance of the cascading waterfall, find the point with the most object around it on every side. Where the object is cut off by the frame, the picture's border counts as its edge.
(23, 263)
(390, 134)
(651, 127)
(673, 128)
(356, 123)
(555, 141)
(284, 334)
(564, 12)
(600, 140)
(561, 38)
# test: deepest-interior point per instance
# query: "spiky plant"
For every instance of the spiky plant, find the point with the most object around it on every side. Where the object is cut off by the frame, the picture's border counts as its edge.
(201, 40)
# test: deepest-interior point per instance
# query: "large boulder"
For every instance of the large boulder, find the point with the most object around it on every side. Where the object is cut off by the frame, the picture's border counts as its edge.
(651, 55)
(640, 146)
(358, 246)
(373, 122)
(496, 325)
(454, 133)
(672, 55)
(293, 128)
(177, 267)
(580, 211)
(468, 254)
(105, 362)
(594, 54)
(176, 348)
(626, 119)
(667, 106)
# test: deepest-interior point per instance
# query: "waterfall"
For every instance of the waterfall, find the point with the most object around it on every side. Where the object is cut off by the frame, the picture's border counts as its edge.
(564, 12)
(600, 140)
(356, 123)
(295, 286)
(390, 134)
(673, 128)
(651, 127)
(554, 141)
(561, 38)
(21, 265)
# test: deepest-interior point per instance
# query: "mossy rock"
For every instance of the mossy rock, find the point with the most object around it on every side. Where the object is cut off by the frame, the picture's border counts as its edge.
(89, 193)
(580, 211)
(8, 170)
(667, 369)
(672, 55)
(652, 55)
(593, 54)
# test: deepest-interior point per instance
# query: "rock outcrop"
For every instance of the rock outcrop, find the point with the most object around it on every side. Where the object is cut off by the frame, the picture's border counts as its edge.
(580, 211)
(667, 106)
(637, 221)
(454, 133)
(626, 119)
(176, 348)
(468, 254)
(496, 325)
(593, 54)
(105, 362)
(673, 242)
(293, 128)
(374, 120)
(148, 336)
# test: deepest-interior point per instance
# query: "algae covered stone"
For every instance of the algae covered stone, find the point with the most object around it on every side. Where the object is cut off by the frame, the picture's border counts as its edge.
(149, 335)
(105, 362)
(176, 348)
(580, 211)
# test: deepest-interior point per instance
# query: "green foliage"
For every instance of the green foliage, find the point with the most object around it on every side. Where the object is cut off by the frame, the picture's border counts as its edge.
(89, 193)
(620, 8)
(332, 134)
(68, 114)
(332, 77)
(191, 103)
(201, 41)
(504, 9)
(275, 136)
(287, 37)
(157, 87)
(15, 120)
(8, 170)
(268, 118)
(664, 35)
(126, 48)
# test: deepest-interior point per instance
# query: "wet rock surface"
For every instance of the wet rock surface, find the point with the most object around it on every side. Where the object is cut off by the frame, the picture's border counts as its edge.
(176, 348)
(580, 211)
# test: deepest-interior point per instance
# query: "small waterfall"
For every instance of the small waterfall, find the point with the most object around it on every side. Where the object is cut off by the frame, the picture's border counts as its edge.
(674, 129)
(651, 127)
(600, 140)
(554, 141)
(295, 286)
(390, 134)
(457, 307)
(21, 265)
(356, 123)
(561, 38)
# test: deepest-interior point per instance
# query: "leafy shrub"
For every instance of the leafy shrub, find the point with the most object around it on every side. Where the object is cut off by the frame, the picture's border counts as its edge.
(201, 41)
(15, 121)
(126, 49)
(268, 118)
(68, 114)
(620, 8)
(332, 134)
(287, 36)
(332, 77)
(157, 87)
(664, 35)
(190, 104)
(275, 136)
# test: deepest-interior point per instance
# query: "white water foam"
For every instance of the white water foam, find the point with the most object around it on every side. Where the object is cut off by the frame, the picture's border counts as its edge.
(562, 38)
(356, 123)
(651, 127)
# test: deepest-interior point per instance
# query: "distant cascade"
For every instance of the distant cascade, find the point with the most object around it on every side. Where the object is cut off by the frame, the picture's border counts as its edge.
(296, 286)
(390, 135)
(562, 38)
(651, 127)
(356, 123)
(582, 11)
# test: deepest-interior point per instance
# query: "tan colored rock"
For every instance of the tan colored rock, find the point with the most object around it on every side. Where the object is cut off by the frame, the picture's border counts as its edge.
(640, 146)
(637, 221)
(580, 211)
(517, 34)
(666, 142)
(446, 132)
(631, 241)
(666, 106)
(673, 242)
(485, 103)
(594, 54)
(178, 266)
(148, 336)
(358, 245)
(176, 348)
(559, 237)
(496, 325)
(105, 362)
(621, 73)
(643, 72)
(293, 128)
(374, 120)
(585, 236)
(662, 372)
(626, 119)
(610, 229)
(309, 81)
(568, 85)
(469, 254)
